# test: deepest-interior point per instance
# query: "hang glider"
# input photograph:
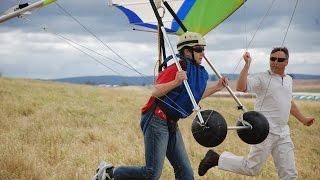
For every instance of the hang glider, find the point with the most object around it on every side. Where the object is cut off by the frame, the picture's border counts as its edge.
(23, 9)
(197, 15)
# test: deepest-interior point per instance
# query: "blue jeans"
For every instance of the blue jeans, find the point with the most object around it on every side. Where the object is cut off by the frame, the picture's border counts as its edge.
(159, 143)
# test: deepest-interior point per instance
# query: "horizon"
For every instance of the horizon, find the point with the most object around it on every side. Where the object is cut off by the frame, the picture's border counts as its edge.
(1, 75)
(209, 75)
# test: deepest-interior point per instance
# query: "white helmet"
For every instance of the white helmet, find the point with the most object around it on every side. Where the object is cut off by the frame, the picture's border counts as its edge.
(190, 39)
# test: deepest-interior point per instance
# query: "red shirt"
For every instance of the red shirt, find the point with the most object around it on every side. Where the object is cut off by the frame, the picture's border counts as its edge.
(167, 75)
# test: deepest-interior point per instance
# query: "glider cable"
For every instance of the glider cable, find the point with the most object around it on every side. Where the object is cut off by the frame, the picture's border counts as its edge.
(93, 51)
(258, 28)
(294, 10)
(69, 42)
(97, 38)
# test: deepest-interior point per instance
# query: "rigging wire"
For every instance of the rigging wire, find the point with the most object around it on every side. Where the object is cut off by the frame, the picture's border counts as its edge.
(91, 50)
(294, 10)
(96, 37)
(89, 31)
(182, 111)
(258, 28)
(254, 34)
(71, 44)
(95, 59)
(246, 33)
(247, 45)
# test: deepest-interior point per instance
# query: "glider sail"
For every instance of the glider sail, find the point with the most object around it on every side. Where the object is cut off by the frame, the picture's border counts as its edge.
(197, 15)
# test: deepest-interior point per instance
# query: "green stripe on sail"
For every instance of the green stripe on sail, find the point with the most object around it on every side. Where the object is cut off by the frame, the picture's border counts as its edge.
(46, 2)
(207, 14)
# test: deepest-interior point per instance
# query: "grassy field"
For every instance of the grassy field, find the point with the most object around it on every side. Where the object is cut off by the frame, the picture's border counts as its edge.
(62, 131)
(306, 86)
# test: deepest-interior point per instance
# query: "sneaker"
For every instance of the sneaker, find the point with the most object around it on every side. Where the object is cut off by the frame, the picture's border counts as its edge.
(210, 160)
(104, 172)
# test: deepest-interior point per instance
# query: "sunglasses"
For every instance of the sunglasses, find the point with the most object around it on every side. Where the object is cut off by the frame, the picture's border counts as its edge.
(198, 49)
(279, 59)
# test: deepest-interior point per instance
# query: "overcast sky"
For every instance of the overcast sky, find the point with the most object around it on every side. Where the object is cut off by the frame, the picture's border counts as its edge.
(27, 51)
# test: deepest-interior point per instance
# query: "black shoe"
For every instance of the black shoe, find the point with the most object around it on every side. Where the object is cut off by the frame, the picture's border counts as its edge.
(210, 160)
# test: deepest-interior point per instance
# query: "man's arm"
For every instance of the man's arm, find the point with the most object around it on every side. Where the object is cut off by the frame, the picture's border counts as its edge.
(223, 82)
(297, 114)
(162, 89)
(242, 81)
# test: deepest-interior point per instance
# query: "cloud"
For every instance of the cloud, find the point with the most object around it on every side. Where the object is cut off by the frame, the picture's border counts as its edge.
(26, 50)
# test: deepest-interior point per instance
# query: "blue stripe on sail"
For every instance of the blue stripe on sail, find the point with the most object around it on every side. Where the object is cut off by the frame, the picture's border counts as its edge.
(152, 26)
(182, 13)
(136, 20)
(132, 17)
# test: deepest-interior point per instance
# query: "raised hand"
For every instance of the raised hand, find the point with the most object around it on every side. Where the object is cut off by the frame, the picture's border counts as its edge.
(247, 58)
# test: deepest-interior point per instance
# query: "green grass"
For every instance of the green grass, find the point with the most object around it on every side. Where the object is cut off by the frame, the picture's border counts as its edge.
(62, 131)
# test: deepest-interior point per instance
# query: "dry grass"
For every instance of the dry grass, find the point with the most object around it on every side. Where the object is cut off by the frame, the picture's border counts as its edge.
(306, 85)
(62, 131)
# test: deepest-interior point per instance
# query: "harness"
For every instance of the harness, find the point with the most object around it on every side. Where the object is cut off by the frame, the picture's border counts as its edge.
(177, 104)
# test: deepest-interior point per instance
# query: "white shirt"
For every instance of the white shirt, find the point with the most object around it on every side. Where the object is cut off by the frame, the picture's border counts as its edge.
(274, 96)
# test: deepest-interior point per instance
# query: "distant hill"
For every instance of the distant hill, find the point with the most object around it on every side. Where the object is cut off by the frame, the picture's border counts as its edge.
(110, 80)
(147, 80)
(304, 76)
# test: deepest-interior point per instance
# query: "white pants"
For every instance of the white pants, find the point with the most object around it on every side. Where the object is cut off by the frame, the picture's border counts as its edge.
(281, 149)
